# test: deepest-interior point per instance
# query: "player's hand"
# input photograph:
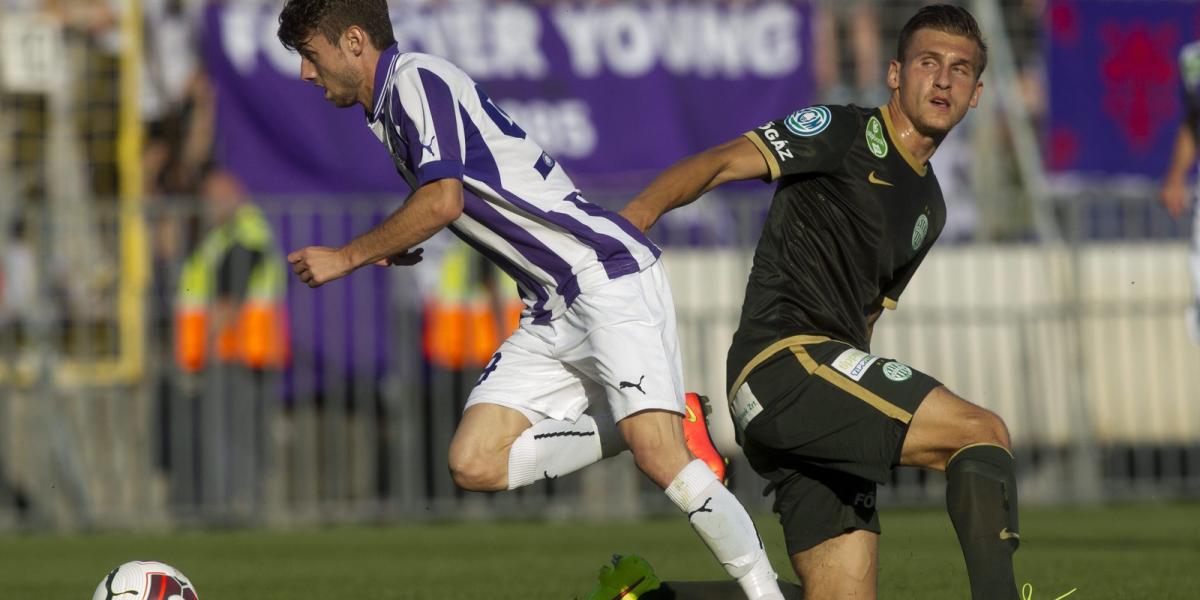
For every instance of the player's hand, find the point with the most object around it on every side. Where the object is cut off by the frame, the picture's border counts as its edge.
(403, 259)
(318, 265)
(1174, 196)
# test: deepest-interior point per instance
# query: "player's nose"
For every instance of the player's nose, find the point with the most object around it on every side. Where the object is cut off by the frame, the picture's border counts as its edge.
(308, 71)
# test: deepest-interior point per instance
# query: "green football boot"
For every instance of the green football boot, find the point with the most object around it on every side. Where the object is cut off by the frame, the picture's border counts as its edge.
(627, 578)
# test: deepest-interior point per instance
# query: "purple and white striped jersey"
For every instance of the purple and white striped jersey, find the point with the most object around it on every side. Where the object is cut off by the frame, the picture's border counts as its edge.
(523, 212)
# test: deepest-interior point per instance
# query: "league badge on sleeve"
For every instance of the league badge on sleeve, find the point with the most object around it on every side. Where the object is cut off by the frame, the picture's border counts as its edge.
(809, 121)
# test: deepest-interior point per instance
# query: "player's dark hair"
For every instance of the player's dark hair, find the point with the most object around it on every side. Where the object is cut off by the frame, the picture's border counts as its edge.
(300, 19)
(946, 18)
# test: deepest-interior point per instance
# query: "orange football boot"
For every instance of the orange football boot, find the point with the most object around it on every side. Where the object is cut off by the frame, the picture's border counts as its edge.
(699, 442)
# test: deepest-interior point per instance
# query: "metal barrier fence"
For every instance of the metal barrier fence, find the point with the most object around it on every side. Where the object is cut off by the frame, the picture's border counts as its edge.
(1081, 347)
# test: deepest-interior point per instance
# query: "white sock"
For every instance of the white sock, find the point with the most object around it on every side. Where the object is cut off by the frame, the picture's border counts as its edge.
(726, 529)
(551, 448)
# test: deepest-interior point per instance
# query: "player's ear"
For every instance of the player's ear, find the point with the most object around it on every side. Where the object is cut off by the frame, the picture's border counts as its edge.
(356, 40)
(978, 92)
(893, 75)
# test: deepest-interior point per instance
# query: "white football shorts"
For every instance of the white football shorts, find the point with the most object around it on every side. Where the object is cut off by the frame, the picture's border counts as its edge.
(616, 344)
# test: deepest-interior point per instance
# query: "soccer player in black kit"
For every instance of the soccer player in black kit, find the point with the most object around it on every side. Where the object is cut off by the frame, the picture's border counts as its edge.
(856, 210)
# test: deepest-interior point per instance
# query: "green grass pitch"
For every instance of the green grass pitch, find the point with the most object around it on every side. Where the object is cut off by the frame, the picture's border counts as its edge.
(1142, 551)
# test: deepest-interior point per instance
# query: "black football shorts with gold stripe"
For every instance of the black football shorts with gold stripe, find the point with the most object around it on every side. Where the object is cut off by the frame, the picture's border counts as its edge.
(824, 422)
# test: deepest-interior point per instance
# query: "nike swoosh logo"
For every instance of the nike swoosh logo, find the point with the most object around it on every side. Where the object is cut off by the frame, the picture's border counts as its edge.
(877, 181)
(628, 588)
(691, 415)
(1005, 534)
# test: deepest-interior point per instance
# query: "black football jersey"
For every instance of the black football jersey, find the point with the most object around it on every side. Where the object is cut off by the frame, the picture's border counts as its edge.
(852, 218)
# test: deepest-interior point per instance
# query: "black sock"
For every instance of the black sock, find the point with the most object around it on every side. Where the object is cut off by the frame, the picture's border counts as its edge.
(981, 497)
(713, 590)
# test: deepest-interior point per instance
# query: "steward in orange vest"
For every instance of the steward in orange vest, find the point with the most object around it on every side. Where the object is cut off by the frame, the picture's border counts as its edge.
(230, 301)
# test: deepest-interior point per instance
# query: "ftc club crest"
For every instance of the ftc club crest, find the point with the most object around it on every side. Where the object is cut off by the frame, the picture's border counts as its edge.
(809, 121)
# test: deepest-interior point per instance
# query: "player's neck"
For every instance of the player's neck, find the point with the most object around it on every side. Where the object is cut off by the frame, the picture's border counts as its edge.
(366, 92)
(918, 145)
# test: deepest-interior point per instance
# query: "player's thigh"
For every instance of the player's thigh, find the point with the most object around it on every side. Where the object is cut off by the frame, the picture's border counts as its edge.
(946, 423)
(628, 343)
(843, 567)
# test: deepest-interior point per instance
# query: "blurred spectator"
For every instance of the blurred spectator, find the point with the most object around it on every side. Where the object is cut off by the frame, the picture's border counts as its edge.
(860, 18)
(1175, 194)
(231, 338)
(18, 279)
(176, 98)
(473, 308)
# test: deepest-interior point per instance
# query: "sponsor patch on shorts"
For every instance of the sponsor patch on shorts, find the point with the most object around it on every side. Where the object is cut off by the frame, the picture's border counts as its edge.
(854, 363)
(744, 407)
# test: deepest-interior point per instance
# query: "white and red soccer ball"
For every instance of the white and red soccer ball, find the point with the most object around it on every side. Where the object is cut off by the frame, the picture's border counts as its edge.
(145, 580)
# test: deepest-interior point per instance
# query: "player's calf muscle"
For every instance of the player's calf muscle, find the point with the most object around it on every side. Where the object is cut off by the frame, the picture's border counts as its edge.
(656, 441)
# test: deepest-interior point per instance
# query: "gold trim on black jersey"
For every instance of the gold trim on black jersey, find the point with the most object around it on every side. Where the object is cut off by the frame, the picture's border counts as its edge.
(772, 163)
(908, 158)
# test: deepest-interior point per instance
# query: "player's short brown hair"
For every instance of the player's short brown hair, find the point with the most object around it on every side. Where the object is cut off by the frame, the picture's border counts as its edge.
(946, 18)
(300, 19)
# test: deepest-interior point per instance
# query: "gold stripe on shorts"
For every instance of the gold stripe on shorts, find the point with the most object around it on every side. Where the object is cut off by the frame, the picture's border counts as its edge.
(796, 341)
(852, 387)
(796, 344)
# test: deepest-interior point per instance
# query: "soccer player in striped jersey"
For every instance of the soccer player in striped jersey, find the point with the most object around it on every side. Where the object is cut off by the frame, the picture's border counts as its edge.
(599, 323)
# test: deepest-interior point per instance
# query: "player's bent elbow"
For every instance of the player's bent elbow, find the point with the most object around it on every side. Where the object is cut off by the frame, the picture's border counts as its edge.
(447, 202)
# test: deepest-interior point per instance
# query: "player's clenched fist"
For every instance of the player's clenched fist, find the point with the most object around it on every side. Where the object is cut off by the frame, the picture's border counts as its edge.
(318, 265)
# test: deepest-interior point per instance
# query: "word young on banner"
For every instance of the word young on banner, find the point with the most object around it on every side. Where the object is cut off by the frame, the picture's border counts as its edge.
(510, 40)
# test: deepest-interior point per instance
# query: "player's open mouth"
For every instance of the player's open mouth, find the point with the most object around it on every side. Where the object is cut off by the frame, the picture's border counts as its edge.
(940, 102)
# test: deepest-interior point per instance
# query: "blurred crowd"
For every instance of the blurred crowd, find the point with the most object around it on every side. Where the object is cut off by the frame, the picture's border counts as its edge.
(852, 42)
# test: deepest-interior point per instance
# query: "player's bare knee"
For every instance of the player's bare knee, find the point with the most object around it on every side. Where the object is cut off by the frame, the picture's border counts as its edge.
(476, 471)
(986, 427)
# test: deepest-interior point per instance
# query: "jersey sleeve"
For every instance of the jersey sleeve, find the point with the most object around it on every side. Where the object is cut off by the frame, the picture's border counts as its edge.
(430, 124)
(813, 140)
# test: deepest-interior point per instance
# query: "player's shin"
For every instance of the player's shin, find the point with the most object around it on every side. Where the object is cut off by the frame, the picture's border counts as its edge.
(551, 448)
(981, 497)
(726, 529)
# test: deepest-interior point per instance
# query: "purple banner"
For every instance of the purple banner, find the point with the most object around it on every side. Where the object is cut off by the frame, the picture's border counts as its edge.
(1113, 74)
(615, 91)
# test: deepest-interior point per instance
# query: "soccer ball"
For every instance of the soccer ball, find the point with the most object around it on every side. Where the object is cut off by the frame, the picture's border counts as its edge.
(143, 580)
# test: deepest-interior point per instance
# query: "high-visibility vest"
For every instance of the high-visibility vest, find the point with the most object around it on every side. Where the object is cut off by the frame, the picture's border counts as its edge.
(258, 335)
(462, 327)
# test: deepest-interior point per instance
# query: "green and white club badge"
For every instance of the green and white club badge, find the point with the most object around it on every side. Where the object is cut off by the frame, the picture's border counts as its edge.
(876, 141)
(897, 371)
(919, 231)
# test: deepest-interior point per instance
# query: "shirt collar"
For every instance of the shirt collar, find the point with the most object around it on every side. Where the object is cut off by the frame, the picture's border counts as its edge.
(382, 70)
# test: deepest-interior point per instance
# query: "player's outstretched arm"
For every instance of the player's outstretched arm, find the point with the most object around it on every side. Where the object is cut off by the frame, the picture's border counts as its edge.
(432, 207)
(691, 177)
